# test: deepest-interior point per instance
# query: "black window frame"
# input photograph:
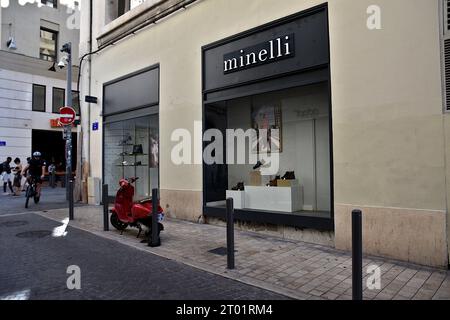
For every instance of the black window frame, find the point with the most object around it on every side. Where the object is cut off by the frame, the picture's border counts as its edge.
(55, 57)
(33, 99)
(53, 99)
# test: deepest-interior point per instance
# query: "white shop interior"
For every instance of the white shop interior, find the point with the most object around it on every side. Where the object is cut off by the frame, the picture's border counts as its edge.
(302, 116)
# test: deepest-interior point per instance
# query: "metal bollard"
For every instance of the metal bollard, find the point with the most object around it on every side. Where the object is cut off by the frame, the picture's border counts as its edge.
(71, 200)
(105, 207)
(154, 240)
(357, 272)
(230, 234)
(52, 180)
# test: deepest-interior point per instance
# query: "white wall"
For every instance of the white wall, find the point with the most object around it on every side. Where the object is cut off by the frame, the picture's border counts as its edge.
(16, 116)
(26, 23)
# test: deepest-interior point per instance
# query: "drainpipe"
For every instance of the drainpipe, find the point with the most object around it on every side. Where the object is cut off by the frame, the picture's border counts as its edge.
(88, 145)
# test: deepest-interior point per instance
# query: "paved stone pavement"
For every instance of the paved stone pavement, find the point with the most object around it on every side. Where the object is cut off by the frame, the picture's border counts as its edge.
(50, 199)
(297, 269)
(35, 268)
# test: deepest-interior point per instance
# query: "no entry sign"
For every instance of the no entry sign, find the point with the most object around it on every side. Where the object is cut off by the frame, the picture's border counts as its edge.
(67, 115)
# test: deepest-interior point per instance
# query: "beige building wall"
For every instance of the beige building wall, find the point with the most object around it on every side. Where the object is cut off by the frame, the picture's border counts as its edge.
(389, 148)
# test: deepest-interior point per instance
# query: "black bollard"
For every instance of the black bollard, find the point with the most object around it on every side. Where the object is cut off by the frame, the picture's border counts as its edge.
(71, 200)
(230, 234)
(154, 240)
(357, 272)
(105, 207)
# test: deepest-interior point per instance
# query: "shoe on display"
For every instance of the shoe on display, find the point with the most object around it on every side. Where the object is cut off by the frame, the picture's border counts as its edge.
(238, 187)
(289, 175)
(257, 165)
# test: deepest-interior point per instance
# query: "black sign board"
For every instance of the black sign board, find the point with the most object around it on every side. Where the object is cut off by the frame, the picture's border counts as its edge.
(90, 99)
(294, 44)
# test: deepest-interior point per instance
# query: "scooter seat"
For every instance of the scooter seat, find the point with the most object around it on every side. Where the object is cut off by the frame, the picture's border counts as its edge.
(146, 200)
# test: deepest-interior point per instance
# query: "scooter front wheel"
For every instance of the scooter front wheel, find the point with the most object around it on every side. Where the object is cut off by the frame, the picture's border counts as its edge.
(115, 221)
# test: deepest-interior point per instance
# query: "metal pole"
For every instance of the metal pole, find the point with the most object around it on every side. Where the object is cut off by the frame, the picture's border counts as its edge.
(230, 234)
(68, 131)
(105, 207)
(357, 273)
(71, 200)
(52, 179)
(68, 49)
(154, 241)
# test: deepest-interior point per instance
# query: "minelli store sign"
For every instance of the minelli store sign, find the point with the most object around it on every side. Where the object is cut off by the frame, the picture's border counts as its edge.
(266, 52)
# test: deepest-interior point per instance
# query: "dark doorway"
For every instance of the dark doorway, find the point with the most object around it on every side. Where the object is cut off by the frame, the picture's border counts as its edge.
(53, 147)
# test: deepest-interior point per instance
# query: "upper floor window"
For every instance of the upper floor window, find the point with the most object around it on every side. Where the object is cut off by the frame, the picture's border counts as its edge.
(48, 44)
(75, 104)
(50, 3)
(117, 8)
(38, 98)
(58, 99)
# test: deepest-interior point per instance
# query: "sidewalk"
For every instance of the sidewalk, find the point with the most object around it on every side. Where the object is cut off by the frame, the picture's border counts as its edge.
(296, 269)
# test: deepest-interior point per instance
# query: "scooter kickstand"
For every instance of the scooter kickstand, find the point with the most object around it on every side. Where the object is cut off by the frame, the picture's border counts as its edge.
(139, 233)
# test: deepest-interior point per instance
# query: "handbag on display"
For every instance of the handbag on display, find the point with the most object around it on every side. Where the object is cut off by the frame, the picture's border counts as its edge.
(137, 149)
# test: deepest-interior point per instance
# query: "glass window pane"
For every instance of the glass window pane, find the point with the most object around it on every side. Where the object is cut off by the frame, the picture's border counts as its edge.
(58, 99)
(38, 98)
(289, 133)
(131, 149)
(50, 3)
(75, 102)
(47, 48)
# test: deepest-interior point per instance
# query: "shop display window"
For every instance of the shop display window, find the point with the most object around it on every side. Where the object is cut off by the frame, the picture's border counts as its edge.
(302, 182)
(131, 149)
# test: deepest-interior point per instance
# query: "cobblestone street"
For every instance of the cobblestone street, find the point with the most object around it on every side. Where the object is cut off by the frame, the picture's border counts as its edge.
(292, 268)
(34, 265)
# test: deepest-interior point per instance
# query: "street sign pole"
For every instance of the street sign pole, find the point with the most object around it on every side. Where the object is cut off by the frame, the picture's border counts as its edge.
(68, 130)
(67, 48)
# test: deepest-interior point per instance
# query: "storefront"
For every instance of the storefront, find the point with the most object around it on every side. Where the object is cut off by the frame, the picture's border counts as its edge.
(131, 131)
(351, 123)
(276, 76)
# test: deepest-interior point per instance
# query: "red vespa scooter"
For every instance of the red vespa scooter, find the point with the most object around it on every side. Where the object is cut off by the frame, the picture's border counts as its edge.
(134, 214)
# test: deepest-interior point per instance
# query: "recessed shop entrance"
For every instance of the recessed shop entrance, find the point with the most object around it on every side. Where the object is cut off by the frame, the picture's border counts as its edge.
(52, 146)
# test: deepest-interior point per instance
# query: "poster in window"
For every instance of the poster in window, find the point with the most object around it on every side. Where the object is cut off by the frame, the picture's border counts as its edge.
(266, 120)
(154, 150)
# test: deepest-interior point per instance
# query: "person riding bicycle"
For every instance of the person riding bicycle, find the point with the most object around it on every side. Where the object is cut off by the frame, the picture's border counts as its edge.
(36, 171)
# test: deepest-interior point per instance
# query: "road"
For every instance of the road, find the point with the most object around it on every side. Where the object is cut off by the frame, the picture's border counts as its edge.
(50, 199)
(34, 266)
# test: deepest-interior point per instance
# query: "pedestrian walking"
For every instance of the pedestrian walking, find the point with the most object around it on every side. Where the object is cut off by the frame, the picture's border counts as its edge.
(17, 183)
(6, 175)
(52, 175)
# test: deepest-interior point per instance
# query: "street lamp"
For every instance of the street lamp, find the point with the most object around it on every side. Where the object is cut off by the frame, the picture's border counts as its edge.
(67, 48)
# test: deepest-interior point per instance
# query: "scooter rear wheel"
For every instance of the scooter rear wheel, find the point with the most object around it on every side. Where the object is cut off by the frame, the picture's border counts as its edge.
(115, 221)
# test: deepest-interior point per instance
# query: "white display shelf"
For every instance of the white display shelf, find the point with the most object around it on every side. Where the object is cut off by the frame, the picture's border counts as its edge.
(238, 198)
(283, 199)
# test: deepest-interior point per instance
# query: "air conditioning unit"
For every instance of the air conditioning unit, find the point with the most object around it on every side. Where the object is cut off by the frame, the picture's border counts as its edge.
(446, 51)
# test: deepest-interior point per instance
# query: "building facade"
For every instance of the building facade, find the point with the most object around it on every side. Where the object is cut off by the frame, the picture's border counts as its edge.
(32, 86)
(355, 92)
